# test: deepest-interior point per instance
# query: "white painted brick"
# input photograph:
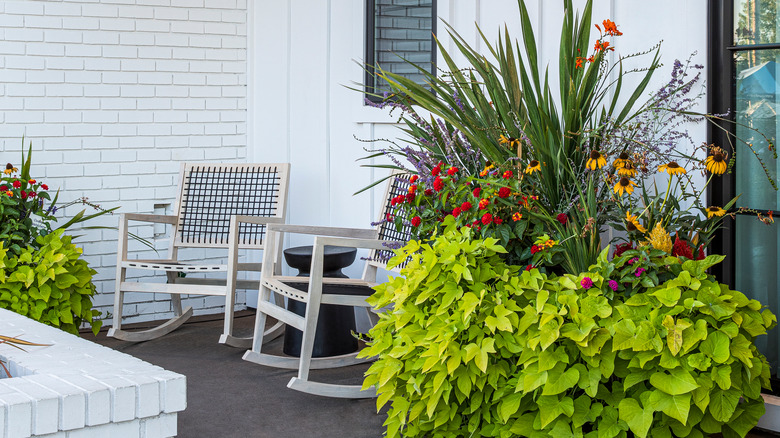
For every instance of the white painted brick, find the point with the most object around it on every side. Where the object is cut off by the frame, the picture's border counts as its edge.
(64, 90)
(43, 22)
(62, 36)
(64, 64)
(234, 42)
(117, 103)
(155, 52)
(171, 91)
(136, 117)
(136, 12)
(121, 52)
(220, 28)
(19, 408)
(189, 104)
(101, 37)
(188, 26)
(152, 26)
(204, 41)
(119, 130)
(154, 104)
(45, 405)
(60, 117)
(143, 65)
(172, 39)
(72, 50)
(205, 91)
(164, 426)
(45, 103)
(225, 4)
(72, 411)
(155, 78)
(14, 76)
(24, 8)
(82, 130)
(205, 67)
(101, 90)
(98, 398)
(45, 76)
(136, 39)
(172, 65)
(25, 63)
(83, 77)
(24, 117)
(189, 79)
(82, 103)
(222, 104)
(46, 49)
(102, 64)
(100, 116)
(21, 34)
(11, 48)
(120, 24)
(82, 23)
(234, 16)
(188, 53)
(204, 15)
(136, 142)
(186, 155)
(62, 8)
(130, 91)
(15, 21)
(188, 4)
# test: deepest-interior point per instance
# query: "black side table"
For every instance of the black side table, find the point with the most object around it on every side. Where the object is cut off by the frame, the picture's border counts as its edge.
(335, 323)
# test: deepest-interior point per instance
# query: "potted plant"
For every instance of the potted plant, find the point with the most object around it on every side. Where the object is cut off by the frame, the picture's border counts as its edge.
(516, 318)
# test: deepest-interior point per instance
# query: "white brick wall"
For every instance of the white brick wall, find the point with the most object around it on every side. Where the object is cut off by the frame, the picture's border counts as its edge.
(74, 388)
(113, 94)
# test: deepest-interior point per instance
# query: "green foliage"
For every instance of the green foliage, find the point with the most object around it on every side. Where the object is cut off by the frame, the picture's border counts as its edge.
(49, 283)
(27, 210)
(474, 347)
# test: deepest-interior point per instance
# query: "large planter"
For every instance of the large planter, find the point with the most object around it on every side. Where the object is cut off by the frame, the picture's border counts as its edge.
(76, 385)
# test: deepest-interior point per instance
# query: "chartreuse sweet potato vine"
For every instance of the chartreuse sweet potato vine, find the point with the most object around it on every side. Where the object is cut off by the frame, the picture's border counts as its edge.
(50, 283)
(475, 347)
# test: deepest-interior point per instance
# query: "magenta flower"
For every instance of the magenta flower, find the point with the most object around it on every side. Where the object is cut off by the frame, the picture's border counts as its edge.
(613, 285)
(587, 283)
(639, 271)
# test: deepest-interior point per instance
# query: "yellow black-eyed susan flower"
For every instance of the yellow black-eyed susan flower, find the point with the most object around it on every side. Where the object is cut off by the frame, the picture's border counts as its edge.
(717, 163)
(533, 166)
(620, 160)
(509, 141)
(627, 169)
(715, 211)
(632, 223)
(672, 168)
(486, 170)
(9, 169)
(596, 160)
(624, 185)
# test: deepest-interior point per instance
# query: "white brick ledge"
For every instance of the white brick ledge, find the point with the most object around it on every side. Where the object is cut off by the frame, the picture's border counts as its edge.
(76, 388)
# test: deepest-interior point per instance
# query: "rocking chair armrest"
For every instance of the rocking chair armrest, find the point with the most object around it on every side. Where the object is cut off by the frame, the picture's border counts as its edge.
(351, 242)
(349, 233)
(153, 218)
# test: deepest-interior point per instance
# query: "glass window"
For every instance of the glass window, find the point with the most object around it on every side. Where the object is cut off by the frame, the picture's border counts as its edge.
(755, 22)
(398, 31)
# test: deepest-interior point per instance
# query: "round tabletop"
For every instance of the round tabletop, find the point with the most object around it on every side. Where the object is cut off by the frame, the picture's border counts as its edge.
(336, 257)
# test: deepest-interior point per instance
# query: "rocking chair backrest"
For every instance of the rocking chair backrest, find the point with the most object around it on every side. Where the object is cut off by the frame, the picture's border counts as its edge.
(388, 231)
(211, 193)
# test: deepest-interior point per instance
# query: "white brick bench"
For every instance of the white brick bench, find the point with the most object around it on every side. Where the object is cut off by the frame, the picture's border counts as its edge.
(76, 388)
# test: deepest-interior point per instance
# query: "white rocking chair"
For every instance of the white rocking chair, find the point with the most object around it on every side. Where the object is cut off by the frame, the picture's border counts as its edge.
(377, 241)
(220, 206)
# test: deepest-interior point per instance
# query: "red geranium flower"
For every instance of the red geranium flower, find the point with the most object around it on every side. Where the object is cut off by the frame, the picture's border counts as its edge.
(535, 249)
(529, 267)
(452, 171)
(487, 218)
(497, 220)
(504, 192)
(413, 179)
(416, 221)
(389, 217)
(465, 206)
(438, 184)
(31, 195)
(24, 194)
(3, 188)
(562, 218)
(45, 187)
(483, 203)
(17, 183)
(413, 188)
(32, 181)
(456, 212)
(476, 192)
(435, 171)
(410, 197)
(508, 174)
(428, 192)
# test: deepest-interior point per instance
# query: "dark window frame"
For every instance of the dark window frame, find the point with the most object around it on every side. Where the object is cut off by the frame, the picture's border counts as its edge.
(721, 77)
(370, 38)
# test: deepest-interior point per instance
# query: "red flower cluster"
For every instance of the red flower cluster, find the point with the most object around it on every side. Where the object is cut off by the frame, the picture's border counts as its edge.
(416, 221)
(682, 249)
(621, 248)
(504, 192)
(562, 218)
(438, 184)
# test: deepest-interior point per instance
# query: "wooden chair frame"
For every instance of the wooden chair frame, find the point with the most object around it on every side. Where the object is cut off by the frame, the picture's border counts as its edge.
(222, 230)
(272, 281)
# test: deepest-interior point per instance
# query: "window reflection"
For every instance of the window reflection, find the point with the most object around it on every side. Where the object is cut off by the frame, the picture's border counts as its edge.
(755, 22)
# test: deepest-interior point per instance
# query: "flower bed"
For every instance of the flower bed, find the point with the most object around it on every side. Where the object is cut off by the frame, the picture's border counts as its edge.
(73, 385)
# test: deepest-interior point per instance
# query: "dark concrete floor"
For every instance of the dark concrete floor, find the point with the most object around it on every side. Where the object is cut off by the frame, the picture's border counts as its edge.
(229, 397)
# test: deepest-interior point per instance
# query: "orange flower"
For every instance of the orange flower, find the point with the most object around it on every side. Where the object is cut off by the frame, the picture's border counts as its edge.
(9, 193)
(483, 203)
(578, 62)
(610, 28)
(517, 216)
